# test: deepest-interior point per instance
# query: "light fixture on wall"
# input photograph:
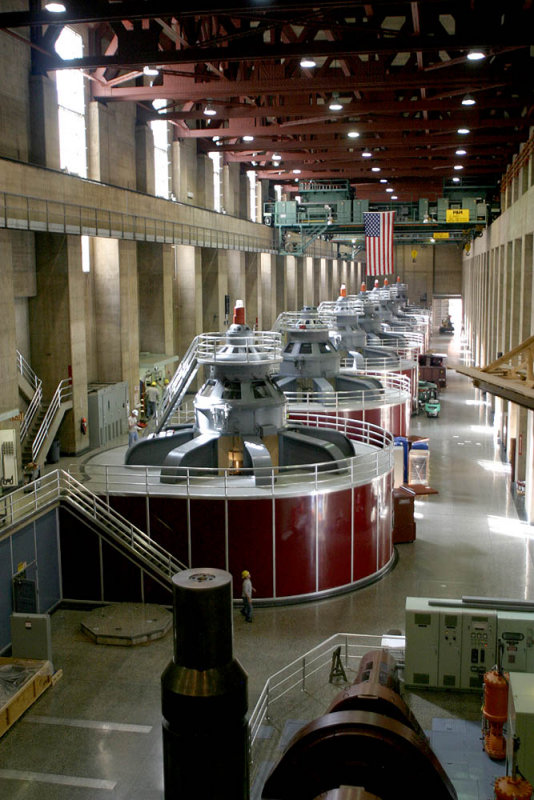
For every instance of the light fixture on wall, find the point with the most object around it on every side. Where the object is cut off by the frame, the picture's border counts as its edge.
(335, 105)
(209, 111)
(476, 55)
(468, 100)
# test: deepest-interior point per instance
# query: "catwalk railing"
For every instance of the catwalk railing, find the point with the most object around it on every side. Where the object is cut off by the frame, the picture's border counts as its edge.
(62, 396)
(311, 671)
(395, 388)
(24, 212)
(375, 458)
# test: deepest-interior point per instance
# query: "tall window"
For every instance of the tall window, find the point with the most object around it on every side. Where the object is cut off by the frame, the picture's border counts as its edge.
(217, 171)
(160, 131)
(71, 106)
(252, 195)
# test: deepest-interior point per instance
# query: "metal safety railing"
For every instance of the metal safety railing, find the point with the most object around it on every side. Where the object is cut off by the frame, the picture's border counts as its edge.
(24, 212)
(254, 346)
(315, 665)
(373, 457)
(178, 385)
(395, 389)
(36, 384)
(63, 394)
(59, 486)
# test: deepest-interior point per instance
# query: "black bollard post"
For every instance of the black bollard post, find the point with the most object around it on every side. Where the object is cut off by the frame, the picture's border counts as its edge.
(204, 694)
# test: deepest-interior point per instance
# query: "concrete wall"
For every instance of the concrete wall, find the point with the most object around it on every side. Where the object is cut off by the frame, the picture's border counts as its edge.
(14, 94)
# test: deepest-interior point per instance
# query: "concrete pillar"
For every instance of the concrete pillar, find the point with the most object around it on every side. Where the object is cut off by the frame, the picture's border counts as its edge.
(44, 128)
(236, 277)
(309, 284)
(525, 321)
(230, 189)
(204, 193)
(332, 292)
(116, 322)
(58, 328)
(184, 171)
(188, 282)
(323, 281)
(515, 301)
(529, 468)
(521, 444)
(155, 267)
(9, 392)
(267, 291)
(252, 284)
(281, 285)
(144, 159)
(299, 285)
(215, 287)
(291, 283)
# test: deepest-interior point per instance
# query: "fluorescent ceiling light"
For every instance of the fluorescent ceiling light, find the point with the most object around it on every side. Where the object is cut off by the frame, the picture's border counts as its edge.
(277, 157)
(375, 169)
(367, 154)
(209, 111)
(248, 138)
(468, 100)
(159, 103)
(456, 180)
(56, 8)
(476, 55)
(461, 152)
(153, 71)
(463, 131)
(458, 167)
(308, 63)
(383, 180)
(296, 172)
(353, 134)
(394, 197)
(389, 189)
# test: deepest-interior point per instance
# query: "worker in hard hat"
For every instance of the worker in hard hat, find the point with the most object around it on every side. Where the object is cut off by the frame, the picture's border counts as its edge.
(133, 427)
(151, 397)
(246, 594)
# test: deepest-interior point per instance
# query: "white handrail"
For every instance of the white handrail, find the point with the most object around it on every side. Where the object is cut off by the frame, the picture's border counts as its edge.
(37, 385)
(62, 394)
(319, 659)
(374, 459)
(175, 387)
(59, 486)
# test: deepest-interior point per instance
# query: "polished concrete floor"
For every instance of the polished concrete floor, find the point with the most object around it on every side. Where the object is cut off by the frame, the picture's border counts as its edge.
(97, 733)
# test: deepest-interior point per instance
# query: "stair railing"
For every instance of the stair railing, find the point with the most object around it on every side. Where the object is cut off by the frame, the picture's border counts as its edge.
(56, 486)
(178, 384)
(62, 394)
(36, 383)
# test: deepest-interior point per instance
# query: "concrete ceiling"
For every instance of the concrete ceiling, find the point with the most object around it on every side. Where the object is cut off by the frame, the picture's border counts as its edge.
(399, 70)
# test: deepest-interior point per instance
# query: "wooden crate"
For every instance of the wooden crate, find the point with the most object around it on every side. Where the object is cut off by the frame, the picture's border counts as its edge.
(28, 692)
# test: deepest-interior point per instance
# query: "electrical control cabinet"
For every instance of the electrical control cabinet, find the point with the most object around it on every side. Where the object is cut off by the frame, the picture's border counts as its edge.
(448, 646)
(422, 643)
(478, 646)
(515, 637)
(520, 724)
(107, 412)
(449, 650)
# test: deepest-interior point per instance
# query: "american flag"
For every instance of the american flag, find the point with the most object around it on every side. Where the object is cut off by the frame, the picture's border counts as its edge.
(379, 242)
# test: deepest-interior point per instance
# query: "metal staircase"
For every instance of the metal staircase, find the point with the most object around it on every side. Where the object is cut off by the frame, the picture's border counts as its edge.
(178, 386)
(60, 488)
(31, 388)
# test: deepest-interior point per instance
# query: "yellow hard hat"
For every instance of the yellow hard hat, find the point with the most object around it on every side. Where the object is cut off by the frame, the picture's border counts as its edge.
(245, 574)
(153, 383)
(166, 381)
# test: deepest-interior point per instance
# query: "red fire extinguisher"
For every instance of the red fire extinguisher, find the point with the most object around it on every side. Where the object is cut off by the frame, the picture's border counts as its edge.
(83, 425)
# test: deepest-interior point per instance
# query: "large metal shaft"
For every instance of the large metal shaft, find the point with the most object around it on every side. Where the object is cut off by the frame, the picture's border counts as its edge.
(204, 694)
